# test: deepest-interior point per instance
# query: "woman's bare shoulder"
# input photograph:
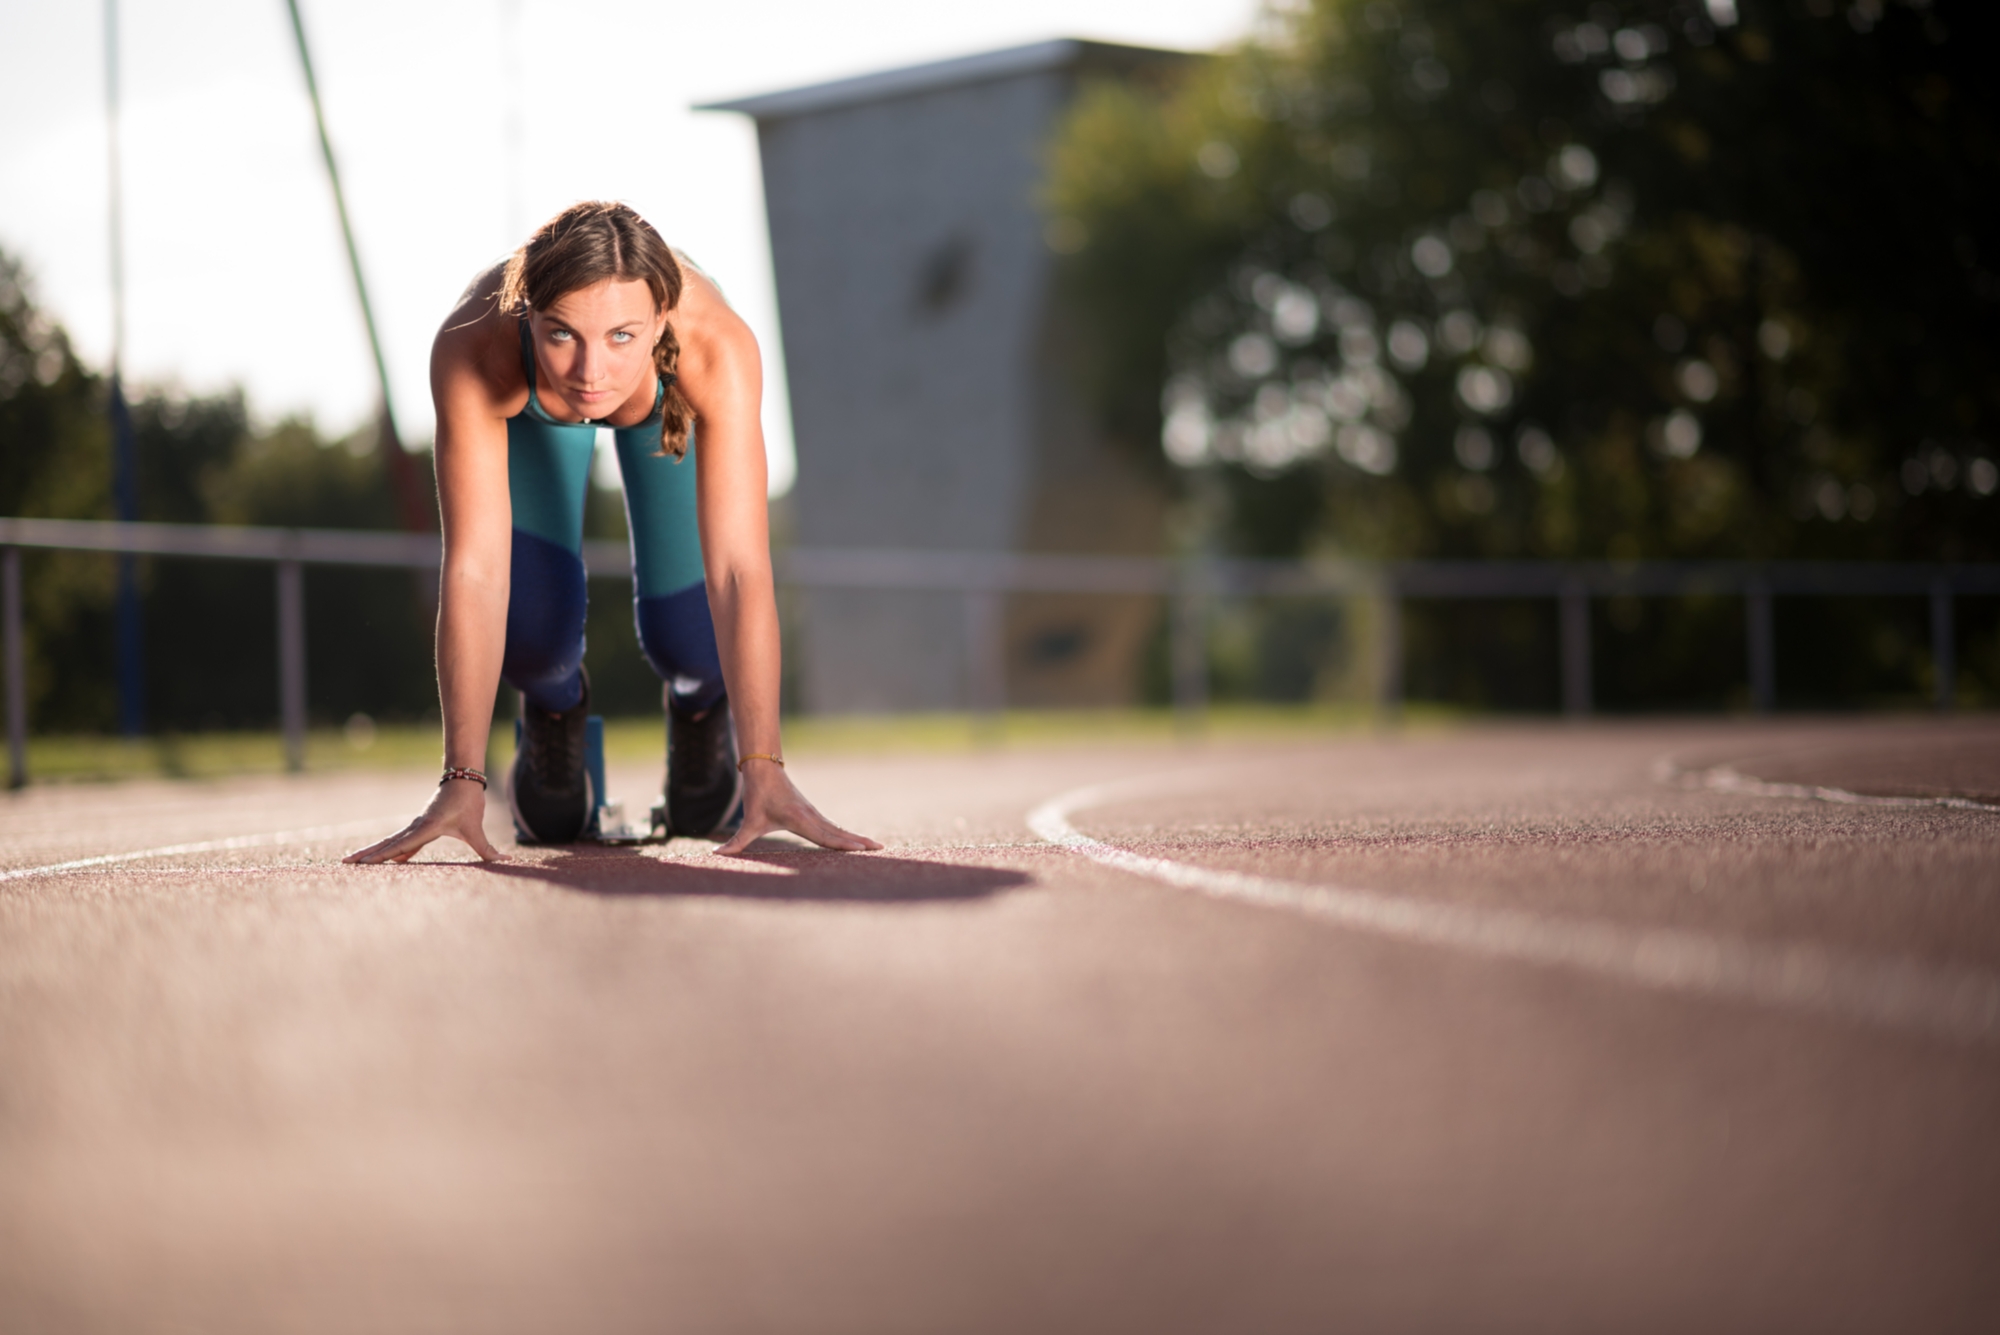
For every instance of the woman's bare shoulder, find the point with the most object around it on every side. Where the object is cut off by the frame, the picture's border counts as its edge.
(479, 340)
(710, 331)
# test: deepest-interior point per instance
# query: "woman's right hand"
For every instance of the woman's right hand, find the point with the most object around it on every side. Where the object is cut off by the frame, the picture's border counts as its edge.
(457, 810)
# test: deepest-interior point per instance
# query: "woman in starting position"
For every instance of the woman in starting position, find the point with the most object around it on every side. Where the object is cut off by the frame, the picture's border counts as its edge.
(594, 322)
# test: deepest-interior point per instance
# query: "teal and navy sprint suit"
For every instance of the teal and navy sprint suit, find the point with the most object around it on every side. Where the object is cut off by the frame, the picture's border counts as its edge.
(548, 470)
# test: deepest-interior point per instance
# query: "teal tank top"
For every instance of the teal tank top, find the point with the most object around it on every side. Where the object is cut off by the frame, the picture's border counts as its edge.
(548, 475)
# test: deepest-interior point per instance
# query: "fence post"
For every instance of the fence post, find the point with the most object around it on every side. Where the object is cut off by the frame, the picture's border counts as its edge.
(985, 659)
(1944, 645)
(1763, 648)
(292, 662)
(1574, 612)
(1388, 649)
(1189, 633)
(17, 670)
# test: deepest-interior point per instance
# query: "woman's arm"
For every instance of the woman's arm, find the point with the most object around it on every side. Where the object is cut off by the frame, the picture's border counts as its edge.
(722, 376)
(477, 514)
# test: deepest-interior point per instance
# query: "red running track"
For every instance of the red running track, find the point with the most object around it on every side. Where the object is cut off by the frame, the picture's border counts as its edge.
(1607, 1028)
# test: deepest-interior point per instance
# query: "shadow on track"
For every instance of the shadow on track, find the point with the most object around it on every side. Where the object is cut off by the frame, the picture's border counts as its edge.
(775, 872)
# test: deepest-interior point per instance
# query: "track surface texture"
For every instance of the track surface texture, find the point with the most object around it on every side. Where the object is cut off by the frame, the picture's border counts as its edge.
(1623, 1027)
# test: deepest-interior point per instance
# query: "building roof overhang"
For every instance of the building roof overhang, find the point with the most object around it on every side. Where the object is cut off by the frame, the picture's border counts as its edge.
(1035, 58)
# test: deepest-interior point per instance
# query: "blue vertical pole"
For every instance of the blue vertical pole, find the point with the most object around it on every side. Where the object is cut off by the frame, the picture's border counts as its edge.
(131, 626)
(131, 629)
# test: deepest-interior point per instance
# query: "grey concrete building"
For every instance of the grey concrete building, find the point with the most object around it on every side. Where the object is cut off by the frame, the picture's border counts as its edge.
(930, 393)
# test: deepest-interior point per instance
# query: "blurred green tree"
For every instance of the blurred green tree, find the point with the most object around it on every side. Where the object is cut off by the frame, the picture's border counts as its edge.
(211, 625)
(1650, 278)
(55, 463)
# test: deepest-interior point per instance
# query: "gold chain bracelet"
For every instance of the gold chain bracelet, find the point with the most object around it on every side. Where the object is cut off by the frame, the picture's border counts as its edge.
(758, 755)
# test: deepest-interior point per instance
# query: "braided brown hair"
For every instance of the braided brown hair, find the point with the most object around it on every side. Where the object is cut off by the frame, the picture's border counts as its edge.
(587, 244)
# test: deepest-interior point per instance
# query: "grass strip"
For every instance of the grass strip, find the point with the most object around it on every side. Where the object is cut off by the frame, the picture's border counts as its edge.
(213, 755)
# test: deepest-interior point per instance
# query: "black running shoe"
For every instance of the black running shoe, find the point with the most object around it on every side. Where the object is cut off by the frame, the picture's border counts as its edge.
(704, 790)
(548, 789)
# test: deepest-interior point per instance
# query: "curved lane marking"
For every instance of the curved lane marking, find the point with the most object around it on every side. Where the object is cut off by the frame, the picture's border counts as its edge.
(1948, 1002)
(1725, 779)
(305, 836)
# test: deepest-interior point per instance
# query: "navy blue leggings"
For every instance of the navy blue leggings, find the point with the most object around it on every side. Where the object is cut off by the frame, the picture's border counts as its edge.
(548, 472)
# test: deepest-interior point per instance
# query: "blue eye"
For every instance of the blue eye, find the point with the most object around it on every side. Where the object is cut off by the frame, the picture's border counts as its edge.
(622, 336)
(559, 335)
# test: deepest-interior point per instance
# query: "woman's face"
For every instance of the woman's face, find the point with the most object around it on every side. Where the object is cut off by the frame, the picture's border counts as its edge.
(596, 343)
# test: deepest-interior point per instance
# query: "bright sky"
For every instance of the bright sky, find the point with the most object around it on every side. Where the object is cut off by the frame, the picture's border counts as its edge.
(235, 273)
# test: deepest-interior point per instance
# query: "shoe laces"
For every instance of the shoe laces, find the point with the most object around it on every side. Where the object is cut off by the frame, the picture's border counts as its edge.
(697, 744)
(549, 753)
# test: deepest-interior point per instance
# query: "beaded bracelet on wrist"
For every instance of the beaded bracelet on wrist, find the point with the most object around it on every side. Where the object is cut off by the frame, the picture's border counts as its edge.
(456, 772)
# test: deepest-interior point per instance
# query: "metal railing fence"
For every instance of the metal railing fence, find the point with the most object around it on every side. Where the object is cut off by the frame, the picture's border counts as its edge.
(983, 579)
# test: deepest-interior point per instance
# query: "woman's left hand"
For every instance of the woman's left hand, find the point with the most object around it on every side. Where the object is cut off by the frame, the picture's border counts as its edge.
(772, 804)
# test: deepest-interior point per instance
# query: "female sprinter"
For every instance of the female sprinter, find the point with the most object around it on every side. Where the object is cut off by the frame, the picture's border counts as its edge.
(594, 322)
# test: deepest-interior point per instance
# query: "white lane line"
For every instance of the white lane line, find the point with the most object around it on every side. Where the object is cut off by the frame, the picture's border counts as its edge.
(1954, 1003)
(1725, 779)
(305, 836)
